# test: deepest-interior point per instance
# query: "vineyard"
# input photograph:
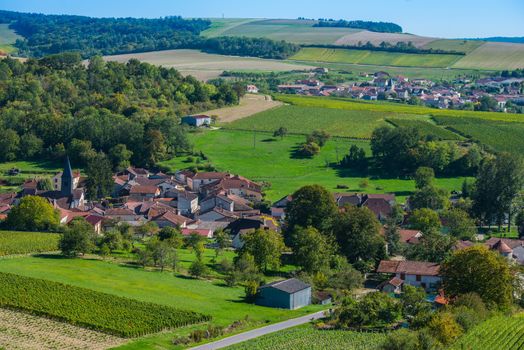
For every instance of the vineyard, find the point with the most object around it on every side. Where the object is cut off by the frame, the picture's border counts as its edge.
(426, 128)
(308, 338)
(13, 242)
(496, 333)
(99, 311)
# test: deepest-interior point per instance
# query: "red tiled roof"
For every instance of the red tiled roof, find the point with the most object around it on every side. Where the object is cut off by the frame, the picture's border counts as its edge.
(209, 175)
(173, 218)
(409, 267)
(94, 219)
(200, 232)
(144, 190)
(409, 236)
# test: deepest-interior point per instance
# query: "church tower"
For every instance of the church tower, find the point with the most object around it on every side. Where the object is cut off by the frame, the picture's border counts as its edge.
(67, 179)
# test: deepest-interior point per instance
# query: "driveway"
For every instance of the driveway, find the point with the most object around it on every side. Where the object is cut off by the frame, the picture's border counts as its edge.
(255, 333)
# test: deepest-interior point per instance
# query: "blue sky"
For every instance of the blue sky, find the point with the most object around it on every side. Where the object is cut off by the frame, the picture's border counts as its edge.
(442, 18)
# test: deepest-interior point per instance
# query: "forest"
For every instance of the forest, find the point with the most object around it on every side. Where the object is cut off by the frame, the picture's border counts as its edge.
(381, 27)
(130, 111)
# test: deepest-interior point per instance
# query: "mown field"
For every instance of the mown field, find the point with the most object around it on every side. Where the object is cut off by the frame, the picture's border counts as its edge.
(454, 45)
(493, 55)
(224, 304)
(274, 160)
(500, 332)
(307, 338)
(296, 31)
(100, 311)
(368, 57)
(377, 38)
(15, 242)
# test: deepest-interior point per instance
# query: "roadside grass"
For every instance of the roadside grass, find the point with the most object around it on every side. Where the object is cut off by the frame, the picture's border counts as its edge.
(224, 304)
(274, 161)
(375, 57)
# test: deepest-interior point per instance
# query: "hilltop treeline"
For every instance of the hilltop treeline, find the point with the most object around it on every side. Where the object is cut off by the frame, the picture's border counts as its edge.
(381, 27)
(51, 34)
(256, 47)
(129, 111)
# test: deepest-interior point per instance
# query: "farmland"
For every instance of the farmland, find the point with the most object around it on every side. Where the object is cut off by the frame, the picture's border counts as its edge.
(494, 56)
(426, 127)
(105, 312)
(274, 161)
(24, 331)
(454, 45)
(12, 242)
(377, 38)
(7, 38)
(207, 66)
(307, 338)
(500, 332)
(368, 57)
(249, 105)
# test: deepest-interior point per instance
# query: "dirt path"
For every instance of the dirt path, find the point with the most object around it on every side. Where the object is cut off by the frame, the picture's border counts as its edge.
(249, 104)
(19, 330)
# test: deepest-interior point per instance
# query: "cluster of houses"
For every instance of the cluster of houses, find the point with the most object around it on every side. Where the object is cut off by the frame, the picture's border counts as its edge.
(381, 85)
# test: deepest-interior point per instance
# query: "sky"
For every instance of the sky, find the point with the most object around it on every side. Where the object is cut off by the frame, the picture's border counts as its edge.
(442, 18)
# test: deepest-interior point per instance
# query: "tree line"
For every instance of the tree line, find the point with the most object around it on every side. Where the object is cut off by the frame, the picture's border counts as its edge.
(381, 27)
(401, 46)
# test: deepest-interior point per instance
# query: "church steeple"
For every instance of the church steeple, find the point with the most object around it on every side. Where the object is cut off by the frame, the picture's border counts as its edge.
(67, 179)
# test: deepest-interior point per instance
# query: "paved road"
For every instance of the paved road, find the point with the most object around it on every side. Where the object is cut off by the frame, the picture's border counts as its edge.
(255, 333)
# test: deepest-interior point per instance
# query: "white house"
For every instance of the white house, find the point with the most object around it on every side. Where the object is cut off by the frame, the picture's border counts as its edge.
(415, 273)
(252, 89)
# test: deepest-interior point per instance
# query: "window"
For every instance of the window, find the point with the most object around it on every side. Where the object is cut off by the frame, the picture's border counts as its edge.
(402, 276)
(419, 278)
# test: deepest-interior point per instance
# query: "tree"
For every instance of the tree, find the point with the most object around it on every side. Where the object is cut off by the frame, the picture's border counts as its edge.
(319, 137)
(9, 142)
(280, 132)
(162, 253)
(30, 146)
(155, 148)
(402, 339)
(113, 240)
(357, 232)
(172, 236)
(99, 173)
(80, 152)
(265, 246)
(309, 149)
(414, 304)
(424, 177)
(373, 309)
(519, 221)
(356, 159)
(344, 276)
(392, 235)
(77, 239)
(197, 269)
(460, 224)
(120, 157)
(425, 220)
(195, 242)
(479, 270)
(147, 229)
(33, 214)
(430, 197)
(311, 250)
(311, 206)
(433, 246)
(444, 327)
(223, 241)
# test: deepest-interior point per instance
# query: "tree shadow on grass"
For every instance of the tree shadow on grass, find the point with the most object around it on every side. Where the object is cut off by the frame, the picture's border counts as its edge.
(296, 153)
(269, 140)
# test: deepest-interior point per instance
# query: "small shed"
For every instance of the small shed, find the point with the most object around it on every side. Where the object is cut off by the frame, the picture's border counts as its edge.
(287, 294)
(196, 120)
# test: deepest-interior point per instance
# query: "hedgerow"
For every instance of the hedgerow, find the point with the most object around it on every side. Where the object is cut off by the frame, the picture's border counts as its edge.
(87, 308)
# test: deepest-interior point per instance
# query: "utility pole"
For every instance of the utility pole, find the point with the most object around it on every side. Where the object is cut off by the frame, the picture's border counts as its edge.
(254, 138)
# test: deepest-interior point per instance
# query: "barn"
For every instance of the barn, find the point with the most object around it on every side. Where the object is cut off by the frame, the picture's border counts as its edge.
(196, 120)
(287, 294)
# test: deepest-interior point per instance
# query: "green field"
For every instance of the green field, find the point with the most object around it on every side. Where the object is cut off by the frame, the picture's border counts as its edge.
(500, 332)
(368, 57)
(295, 31)
(224, 304)
(499, 135)
(427, 127)
(307, 338)
(494, 56)
(221, 25)
(465, 46)
(33, 167)
(7, 38)
(272, 160)
(14, 242)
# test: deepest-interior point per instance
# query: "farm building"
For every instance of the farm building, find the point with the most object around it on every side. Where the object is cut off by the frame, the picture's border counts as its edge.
(288, 294)
(252, 89)
(196, 120)
(415, 273)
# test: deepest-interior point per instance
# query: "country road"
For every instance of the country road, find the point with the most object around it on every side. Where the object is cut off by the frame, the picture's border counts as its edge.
(255, 333)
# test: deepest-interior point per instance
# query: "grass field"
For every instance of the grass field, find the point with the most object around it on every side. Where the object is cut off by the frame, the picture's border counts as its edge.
(454, 45)
(32, 167)
(368, 57)
(297, 119)
(221, 25)
(7, 38)
(224, 304)
(493, 55)
(426, 126)
(500, 332)
(273, 161)
(249, 104)
(12, 242)
(359, 105)
(207, 66)
(296, 31)
(377, 38)
(307, 338)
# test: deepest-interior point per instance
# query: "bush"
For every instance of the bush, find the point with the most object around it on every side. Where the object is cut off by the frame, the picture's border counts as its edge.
(444, 328)
(401, 340)
(375, 309)
(197, 269)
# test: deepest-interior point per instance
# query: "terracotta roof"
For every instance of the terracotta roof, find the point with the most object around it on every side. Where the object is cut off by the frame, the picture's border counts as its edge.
(143, 190)
(511, 243)
(409, 236)
(173, 218)
(502, 247)
(409, 267)
(118, 212)
(379, 206)
(209, 175)
(200, 232)
(94, 219)
(397, 282)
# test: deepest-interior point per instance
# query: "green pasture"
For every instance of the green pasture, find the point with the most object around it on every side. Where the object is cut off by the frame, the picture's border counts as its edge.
(465, 46)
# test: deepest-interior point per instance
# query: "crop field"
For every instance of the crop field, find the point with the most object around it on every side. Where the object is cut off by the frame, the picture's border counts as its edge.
(22, 331)
(296, 31)
(207, 66)
(303, 120)
(221, 25)
(454, 45)
(493, 55)
(12, 242)
(376, 38)
(249, 105)
(359, 105)
(499, 135)
(374, 57)
(307, 338)
(99, 311)
(275, 161)
(164, 289)
(496, 333)
(426, 127)
(7, 38)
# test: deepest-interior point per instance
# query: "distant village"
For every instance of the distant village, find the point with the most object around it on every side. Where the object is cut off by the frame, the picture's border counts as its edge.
(459, 94)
